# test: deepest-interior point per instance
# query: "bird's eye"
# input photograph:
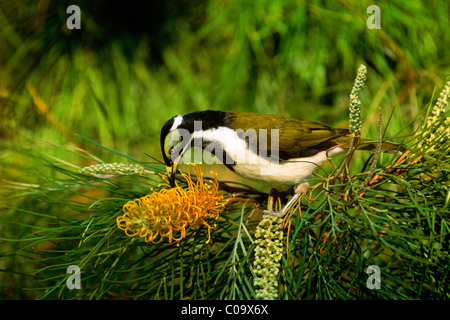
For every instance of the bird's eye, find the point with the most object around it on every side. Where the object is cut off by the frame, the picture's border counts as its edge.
(172, 150)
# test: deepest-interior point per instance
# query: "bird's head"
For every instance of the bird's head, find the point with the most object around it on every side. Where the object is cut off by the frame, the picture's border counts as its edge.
(181, 132)
(175, 141)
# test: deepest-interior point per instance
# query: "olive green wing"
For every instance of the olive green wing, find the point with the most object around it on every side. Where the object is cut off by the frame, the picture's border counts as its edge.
(294, 137)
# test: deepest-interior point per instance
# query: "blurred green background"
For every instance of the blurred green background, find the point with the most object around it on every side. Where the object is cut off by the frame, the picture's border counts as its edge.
(135, 64)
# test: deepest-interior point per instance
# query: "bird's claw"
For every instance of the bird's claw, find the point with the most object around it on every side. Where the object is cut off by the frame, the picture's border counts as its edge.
(276, 214)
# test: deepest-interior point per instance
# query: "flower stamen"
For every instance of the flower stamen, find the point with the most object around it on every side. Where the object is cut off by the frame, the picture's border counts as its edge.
(170, 213)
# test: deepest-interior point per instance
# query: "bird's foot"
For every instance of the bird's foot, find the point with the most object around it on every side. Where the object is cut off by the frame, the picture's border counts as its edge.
(276, 214)
(301, 188)
(299, 191)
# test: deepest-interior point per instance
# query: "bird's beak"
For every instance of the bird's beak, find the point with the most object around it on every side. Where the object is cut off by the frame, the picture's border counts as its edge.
(171, 170)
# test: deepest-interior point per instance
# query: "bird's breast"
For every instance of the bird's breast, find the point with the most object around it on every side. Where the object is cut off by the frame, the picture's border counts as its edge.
(289, 172)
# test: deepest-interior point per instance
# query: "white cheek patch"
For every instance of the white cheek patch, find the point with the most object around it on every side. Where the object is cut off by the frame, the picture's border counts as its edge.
(229, 140)
(176, 122)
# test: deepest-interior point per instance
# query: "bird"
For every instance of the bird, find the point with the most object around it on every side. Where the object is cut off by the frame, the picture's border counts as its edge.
(273, 149)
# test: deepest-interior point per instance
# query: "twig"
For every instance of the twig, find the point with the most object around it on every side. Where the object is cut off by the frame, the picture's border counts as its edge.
(348, 157)
(377, 152)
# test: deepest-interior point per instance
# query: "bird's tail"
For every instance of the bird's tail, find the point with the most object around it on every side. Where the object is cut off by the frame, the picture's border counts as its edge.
(365, 144)
(385, 146)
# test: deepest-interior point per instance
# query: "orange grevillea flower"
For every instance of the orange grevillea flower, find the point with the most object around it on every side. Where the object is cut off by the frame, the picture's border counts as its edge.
(171, 212)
